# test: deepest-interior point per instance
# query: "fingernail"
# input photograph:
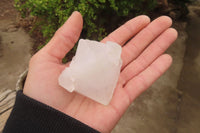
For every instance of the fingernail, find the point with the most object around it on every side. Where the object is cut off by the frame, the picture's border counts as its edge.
(73, 13)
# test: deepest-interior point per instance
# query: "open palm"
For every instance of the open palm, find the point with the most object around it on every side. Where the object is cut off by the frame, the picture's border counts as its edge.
(143, 62)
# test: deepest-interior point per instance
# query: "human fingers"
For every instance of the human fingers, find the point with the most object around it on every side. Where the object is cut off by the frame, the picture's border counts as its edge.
(135, 46)
(158, 47)
(128, 30)
(65, 37)
(144, 80)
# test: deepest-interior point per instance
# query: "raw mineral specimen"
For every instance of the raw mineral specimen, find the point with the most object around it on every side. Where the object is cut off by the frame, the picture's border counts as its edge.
(94, 70)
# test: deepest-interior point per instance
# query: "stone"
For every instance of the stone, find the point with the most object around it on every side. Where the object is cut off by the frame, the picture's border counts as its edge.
(94, 70)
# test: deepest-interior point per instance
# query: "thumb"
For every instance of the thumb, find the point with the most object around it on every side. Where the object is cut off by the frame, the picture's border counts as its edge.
(65, 37)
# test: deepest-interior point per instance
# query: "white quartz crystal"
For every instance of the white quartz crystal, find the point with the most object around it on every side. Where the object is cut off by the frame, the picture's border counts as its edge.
(94, 70)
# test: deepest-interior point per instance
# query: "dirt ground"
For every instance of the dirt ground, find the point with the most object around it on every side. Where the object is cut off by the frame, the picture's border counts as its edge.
(15, 46)
(189, 82)
(171, 105)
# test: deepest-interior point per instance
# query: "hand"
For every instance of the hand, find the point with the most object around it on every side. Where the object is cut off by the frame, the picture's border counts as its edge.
(143, 63)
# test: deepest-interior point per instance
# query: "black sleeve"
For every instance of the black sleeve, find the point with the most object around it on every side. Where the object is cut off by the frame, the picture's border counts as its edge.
(31, 116)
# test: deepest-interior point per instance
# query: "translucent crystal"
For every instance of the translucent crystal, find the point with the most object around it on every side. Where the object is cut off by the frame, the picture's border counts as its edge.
(94, 70)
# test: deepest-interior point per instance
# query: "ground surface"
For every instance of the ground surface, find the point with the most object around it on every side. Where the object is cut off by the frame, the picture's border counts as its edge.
(189, 82)
(171, 105)
(15, 46)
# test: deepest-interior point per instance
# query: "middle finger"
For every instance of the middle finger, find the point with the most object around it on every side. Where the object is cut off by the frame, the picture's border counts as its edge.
(135, 46)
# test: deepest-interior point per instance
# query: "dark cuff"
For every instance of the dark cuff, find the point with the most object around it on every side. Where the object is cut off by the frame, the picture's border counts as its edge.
(31, 116)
